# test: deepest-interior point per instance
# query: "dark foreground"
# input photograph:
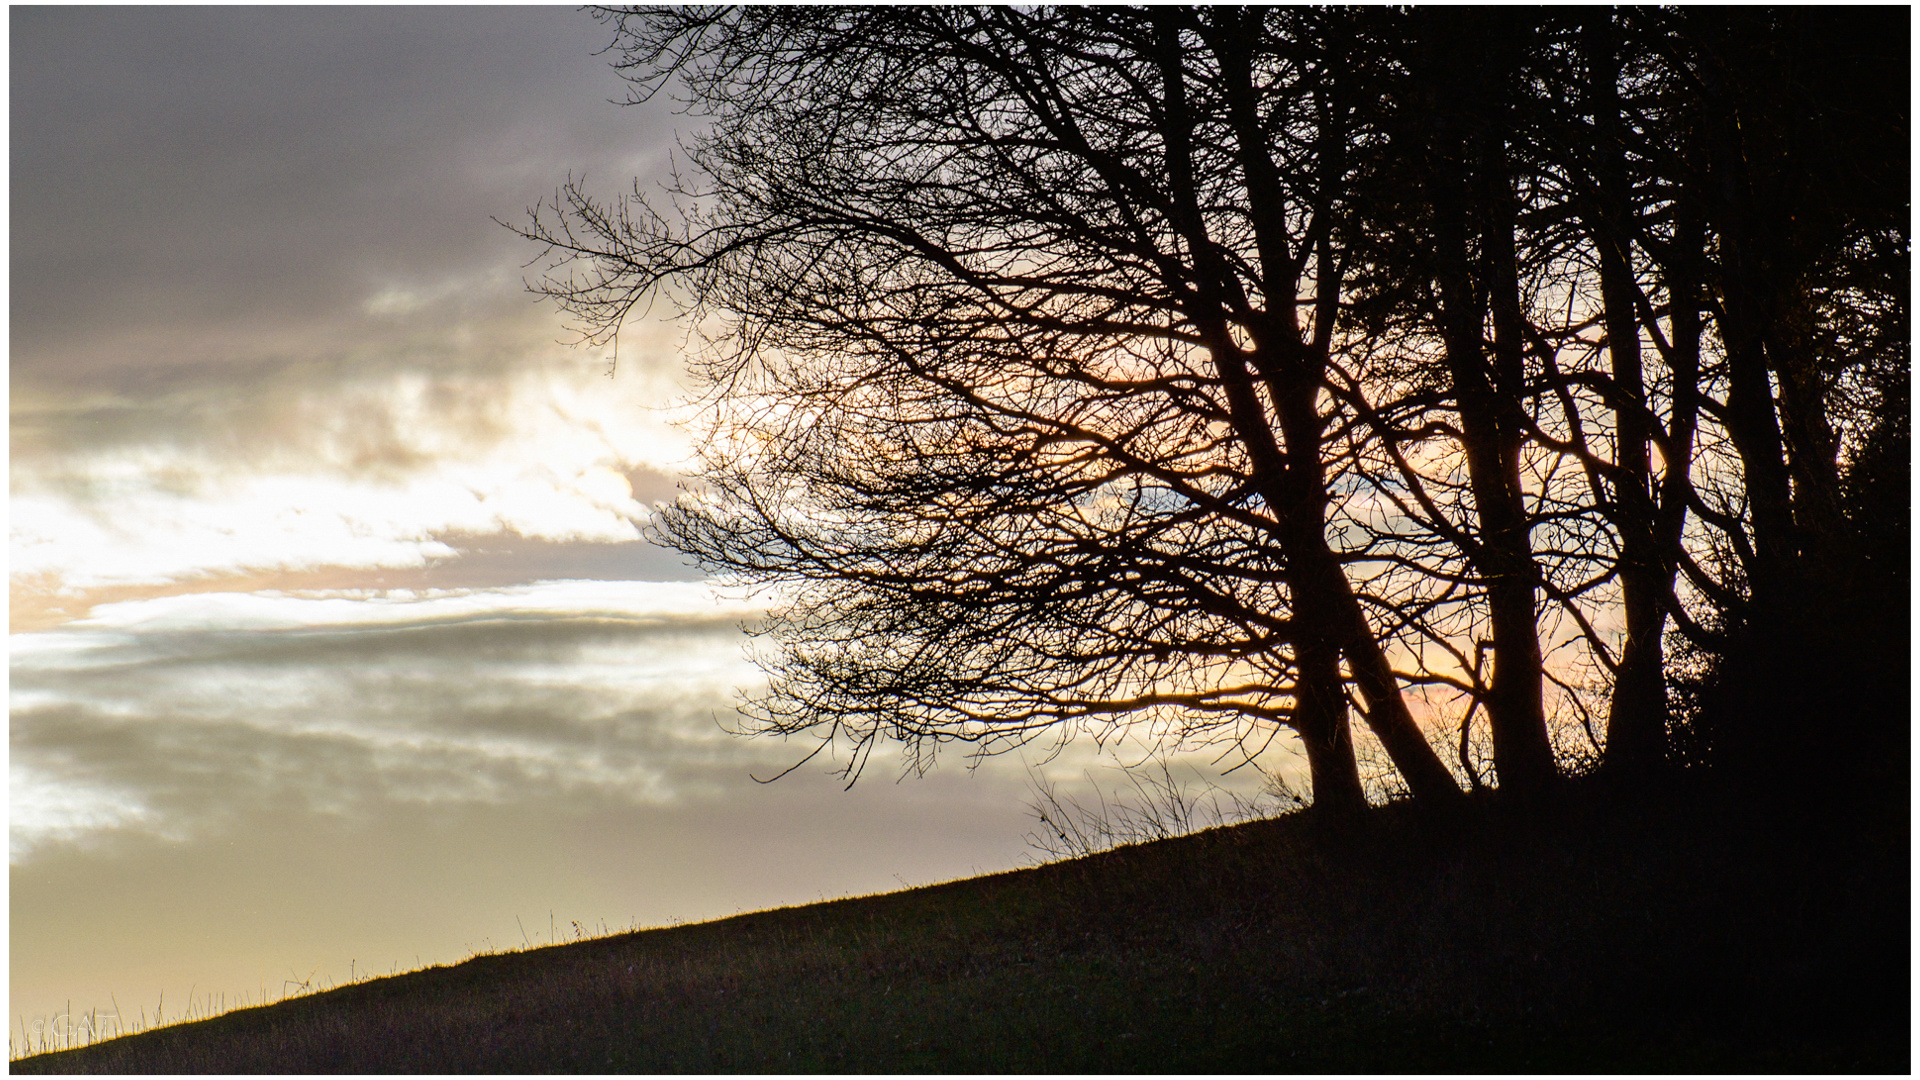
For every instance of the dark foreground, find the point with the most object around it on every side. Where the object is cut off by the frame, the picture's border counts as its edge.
(1696, 933)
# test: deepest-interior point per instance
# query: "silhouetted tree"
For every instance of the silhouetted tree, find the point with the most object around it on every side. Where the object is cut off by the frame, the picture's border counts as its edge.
(1462, 119)
(1500, 275)
(1805, 123)
(1219, 370)
(1553, 255)
(1026, 319)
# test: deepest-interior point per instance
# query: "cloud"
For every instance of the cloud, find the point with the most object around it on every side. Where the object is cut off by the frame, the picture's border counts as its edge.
(380, 473)
(47, 805)
(265, 326)
(186, 714)
(265, 322)
(176, 714)
(191, 185)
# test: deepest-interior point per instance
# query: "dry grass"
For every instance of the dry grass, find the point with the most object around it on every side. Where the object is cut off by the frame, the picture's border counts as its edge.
(1689, 934)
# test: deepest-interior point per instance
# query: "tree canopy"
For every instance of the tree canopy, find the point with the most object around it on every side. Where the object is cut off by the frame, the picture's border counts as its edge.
(1234, 372)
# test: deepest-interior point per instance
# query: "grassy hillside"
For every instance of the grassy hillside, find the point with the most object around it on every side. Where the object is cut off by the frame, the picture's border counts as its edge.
(1697, 934)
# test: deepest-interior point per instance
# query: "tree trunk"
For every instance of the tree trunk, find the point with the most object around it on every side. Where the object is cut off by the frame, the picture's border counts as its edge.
(1326, 609)
(1516, 710)
(1320, 718)
(1501, 553)
(1751, 421)
(1637, 711)
(1287, 467)
(1388, 716)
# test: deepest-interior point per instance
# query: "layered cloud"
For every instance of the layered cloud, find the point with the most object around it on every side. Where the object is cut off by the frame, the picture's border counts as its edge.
(374, 474)
(264, 323)
(186, 713)
(186, 716)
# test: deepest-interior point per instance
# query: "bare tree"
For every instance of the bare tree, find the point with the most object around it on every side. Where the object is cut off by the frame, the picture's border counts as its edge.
(1215, 372)
(1026, 317)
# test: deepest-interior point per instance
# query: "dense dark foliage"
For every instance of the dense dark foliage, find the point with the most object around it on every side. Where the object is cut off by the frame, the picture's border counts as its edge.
(1513, 375)
(1802, 682)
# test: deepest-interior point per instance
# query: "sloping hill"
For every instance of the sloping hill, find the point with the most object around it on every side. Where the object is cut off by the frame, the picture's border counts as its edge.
(1691, 934)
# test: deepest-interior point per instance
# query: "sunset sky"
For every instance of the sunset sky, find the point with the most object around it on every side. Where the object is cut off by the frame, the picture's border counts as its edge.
(334, 642)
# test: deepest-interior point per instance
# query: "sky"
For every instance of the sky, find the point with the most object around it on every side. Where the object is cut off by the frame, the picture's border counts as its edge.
(335, 645)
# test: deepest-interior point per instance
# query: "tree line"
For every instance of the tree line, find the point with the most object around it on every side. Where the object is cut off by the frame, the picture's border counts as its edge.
(1528, 385)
